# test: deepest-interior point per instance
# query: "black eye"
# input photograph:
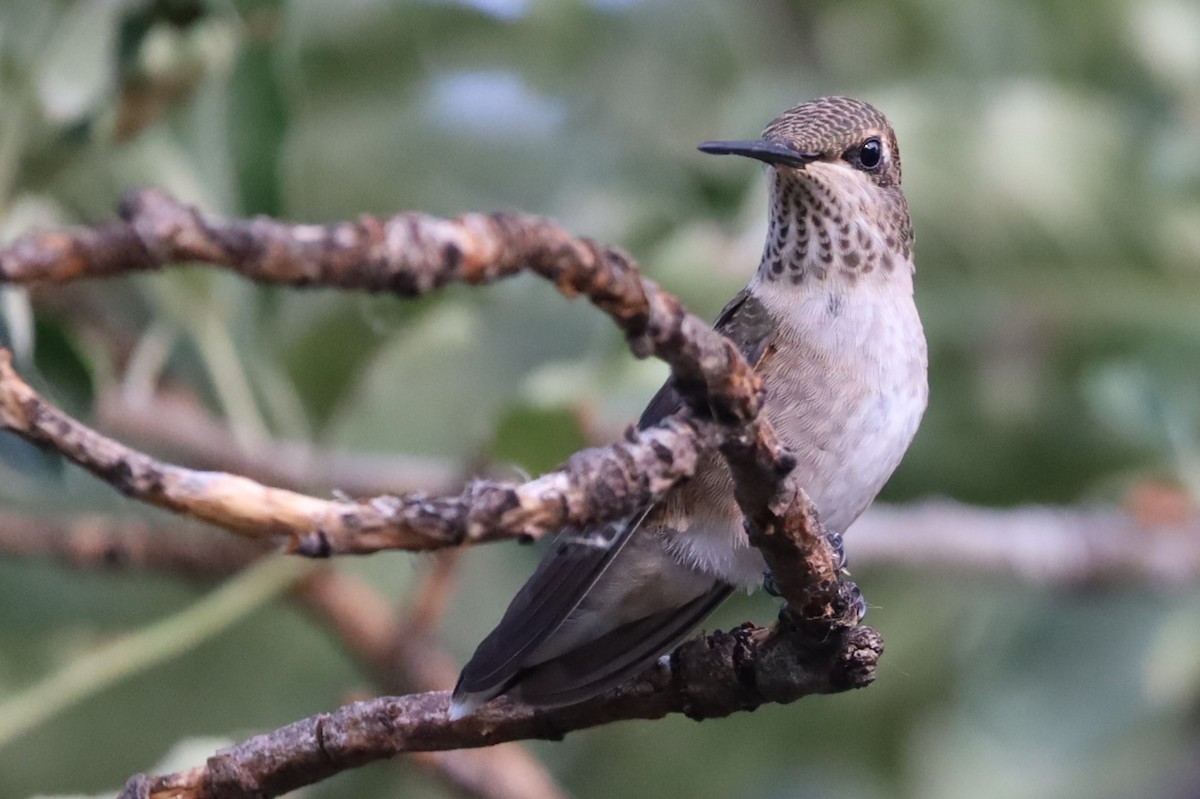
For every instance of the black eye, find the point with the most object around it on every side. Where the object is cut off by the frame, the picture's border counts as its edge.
(870, 154)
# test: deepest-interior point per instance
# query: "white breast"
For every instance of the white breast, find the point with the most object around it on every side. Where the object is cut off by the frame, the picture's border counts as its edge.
(846, 388)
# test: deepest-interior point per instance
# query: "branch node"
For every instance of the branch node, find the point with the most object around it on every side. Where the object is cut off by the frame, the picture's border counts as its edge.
(844, 658)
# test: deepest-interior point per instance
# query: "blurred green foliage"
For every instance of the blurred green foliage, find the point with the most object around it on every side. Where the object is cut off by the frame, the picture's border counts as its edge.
(1052, 161)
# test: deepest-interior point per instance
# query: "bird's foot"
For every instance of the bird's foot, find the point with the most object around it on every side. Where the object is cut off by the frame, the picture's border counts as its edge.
(769, 584)
(837, 547)
(850, 606)
(847, 608)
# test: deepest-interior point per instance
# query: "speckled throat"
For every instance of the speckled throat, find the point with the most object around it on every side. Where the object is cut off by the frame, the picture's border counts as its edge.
(826, 222)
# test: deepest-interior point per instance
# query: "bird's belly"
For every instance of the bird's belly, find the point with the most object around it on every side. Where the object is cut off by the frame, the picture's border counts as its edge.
(846, 399)
(852, 406)
(842, 466)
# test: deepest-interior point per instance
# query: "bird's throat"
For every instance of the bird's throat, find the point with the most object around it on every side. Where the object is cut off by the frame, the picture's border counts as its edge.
(824, 225)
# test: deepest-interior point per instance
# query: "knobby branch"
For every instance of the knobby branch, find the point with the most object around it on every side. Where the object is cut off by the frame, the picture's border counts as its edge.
(410, 254)
(816, 647)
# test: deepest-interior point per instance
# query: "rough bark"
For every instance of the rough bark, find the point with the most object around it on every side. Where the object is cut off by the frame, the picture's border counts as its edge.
(816, 647)
(706, 678)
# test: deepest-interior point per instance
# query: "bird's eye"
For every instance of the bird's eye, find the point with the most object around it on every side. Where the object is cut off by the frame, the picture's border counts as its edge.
(870, 154)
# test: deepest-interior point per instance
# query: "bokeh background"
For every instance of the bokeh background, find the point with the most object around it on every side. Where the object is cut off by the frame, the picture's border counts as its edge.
(1052, 161)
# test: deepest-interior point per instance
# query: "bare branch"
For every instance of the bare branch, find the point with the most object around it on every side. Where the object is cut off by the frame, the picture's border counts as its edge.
(96, 542)
(407, 254)
(185, 429)
(1052, 545)
(410, 254)
(58, 256)
(596, 484)
(705, 678)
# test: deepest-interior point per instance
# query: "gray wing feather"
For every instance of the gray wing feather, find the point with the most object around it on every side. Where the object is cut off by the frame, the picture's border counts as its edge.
(614, 657)
(575, 561)
(573, 564)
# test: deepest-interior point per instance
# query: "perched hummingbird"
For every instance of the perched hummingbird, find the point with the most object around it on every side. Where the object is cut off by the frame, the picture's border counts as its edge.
(829, 322)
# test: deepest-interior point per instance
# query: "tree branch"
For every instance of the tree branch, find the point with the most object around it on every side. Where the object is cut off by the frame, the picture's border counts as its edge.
(705, 678)
(407, 254)
(184, 428)
(597, 484)
(410, 254)
(1041, 544)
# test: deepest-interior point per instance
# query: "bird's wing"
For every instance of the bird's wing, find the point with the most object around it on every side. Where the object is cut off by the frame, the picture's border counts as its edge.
(577, 559)
(745, 321)
(614, 657)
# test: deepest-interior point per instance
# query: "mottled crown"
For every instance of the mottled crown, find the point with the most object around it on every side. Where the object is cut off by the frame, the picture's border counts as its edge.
(831, 126)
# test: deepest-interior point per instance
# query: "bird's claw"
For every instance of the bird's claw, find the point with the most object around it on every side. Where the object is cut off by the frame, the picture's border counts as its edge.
(837, 546)
(769, 584)
(851, 605)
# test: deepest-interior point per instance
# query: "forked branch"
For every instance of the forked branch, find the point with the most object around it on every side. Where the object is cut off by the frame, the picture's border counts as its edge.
(410, 254)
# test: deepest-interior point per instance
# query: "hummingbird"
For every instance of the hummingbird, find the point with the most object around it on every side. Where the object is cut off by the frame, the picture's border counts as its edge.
(829, 321)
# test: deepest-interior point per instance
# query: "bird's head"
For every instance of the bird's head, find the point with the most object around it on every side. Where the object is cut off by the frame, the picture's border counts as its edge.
(837, 131)
(835, 192)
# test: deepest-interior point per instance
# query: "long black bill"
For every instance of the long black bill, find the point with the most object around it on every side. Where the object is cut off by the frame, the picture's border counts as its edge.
(766, 151)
